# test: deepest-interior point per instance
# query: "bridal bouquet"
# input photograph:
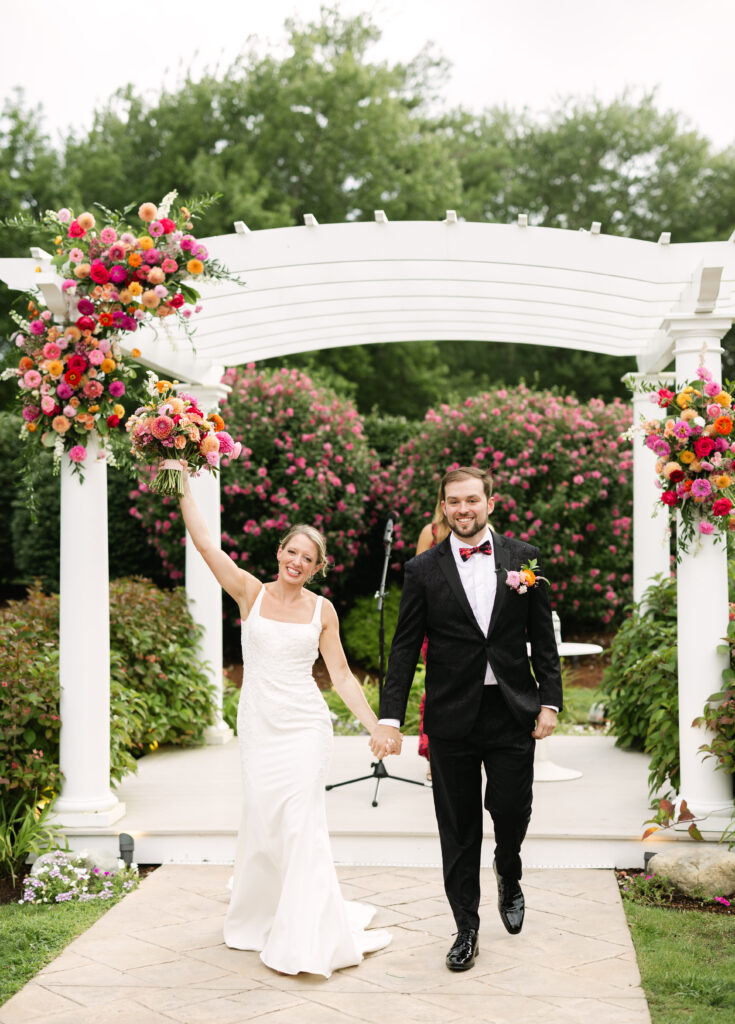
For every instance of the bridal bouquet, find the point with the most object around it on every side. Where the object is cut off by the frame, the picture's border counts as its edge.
(695, 445)
(172, 432)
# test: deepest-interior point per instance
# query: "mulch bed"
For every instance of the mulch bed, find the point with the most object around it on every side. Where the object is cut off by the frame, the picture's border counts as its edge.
(679, 901)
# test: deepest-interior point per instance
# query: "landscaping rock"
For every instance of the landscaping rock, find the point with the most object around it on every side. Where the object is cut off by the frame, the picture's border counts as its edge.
(703, 871)
(102, 859)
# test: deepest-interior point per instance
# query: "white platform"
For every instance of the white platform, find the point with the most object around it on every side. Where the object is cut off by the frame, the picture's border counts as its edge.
(183, 807)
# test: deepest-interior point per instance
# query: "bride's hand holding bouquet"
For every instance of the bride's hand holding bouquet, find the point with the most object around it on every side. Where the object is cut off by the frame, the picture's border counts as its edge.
(171, 432)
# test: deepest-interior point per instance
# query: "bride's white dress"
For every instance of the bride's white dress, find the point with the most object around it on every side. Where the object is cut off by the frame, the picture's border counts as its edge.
(286, 901)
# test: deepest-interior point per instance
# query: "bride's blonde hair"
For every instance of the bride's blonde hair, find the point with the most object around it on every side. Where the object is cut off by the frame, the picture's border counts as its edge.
(317, 539)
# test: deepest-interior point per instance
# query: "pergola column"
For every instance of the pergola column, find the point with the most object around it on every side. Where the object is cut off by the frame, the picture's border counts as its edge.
(702, 601)
(84, 648)
(203, 592)
(650, 532)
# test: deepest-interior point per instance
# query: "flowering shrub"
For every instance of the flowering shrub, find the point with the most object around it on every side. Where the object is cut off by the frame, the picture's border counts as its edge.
(305, 458)
(171, 424)
(63, 876)
(562, 481)
(159, 692)
(694, 443)
(71, 373)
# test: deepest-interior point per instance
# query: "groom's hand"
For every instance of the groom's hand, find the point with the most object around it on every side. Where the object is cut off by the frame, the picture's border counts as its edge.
(385, 740)
(545, 723)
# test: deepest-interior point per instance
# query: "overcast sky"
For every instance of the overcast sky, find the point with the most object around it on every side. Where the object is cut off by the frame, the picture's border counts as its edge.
(71, 56)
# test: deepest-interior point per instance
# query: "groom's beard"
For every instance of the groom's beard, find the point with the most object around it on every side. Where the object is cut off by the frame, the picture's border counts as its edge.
(467, 530)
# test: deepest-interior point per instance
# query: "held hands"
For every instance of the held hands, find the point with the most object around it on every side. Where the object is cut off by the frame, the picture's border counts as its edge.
(545, 723)
(385, 740)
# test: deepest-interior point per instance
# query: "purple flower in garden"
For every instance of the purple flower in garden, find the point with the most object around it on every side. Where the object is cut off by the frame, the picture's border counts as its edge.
(701, 488)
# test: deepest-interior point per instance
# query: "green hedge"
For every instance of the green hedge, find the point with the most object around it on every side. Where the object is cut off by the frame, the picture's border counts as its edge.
(159, 690)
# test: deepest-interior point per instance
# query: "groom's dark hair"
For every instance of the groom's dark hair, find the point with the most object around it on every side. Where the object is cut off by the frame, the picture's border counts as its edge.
(461, 473)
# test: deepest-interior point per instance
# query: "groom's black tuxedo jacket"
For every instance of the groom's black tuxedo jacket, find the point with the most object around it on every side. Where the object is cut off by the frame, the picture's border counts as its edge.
(433, 603)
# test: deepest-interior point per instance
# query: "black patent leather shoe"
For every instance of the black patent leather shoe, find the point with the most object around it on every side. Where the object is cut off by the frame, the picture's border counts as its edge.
(464, 952)
(511, 903)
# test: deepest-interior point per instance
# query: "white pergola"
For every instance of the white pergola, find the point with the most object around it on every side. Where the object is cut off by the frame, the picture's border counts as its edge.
(322, 286)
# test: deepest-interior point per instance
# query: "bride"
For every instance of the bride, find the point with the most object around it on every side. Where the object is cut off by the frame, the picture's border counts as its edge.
(286, 902)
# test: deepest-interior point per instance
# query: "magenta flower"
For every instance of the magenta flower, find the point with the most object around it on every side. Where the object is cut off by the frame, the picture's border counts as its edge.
(701, 488)
(38, 327)
(682, 430)
(78, 453)
(712, 388)
(155, 228)
(170, 266)
(706, 528)
(64, 391)
(51, 351)
(108, 236)
(31, 413)
(117, 388)
(226, 444)
(118, 274)
(68, 285)
(85, 306)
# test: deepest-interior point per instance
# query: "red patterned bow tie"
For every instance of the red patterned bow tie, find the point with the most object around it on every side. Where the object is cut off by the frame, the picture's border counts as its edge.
(485, 549)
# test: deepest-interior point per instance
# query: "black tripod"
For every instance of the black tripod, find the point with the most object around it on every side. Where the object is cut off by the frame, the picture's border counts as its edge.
(379, 771)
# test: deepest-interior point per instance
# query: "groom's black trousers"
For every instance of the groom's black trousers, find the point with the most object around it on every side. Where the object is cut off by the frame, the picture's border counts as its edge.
(506, 748)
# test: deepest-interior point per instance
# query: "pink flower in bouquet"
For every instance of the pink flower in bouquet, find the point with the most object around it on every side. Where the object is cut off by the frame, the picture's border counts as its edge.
(31, 413)
(96, 356)
(706, 528)
(68, 285)
(721, 507)
(64, 391)
(108, 236)
(712, 388)
(32, 378)
(117, 251)
(49, 406)
(104, 345)
(77, 363)
(64, 215)
(213, 458)
(177, 301)
(70, 411)
(78, 453)
(152, 256)
(670, 498)
(118, 274)
(665, 397)
(169, 266)
(161, 427)
(51, 350)
(93, 389)
(187, 243)
(76, 255)
(86, 323)
(703, 447)
(200, 251)
(226, 443)
(38, 327)
(701, 488)
(155, 228)
(98, 272)
(117, 388)
(513, 579)
(85, 306)
(682, 429)
(76, 230)
(168, 225)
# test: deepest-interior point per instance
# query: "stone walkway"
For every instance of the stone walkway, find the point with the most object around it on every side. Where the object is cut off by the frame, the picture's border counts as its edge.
(158, 956)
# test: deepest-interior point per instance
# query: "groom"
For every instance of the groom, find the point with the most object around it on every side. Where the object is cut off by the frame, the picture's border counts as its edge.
(483, 705)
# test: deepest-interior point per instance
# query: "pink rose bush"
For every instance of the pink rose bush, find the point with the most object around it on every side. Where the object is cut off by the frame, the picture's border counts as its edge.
(695, 448)
(305, 458)
(563, 481)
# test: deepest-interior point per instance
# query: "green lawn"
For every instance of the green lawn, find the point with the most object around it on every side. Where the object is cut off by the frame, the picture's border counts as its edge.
(687, 964)
(31, 936)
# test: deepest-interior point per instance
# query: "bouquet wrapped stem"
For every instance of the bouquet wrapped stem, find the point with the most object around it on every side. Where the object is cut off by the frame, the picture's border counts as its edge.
(169, 479)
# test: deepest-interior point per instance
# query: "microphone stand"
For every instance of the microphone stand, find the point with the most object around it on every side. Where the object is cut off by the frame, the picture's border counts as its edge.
(379, 771)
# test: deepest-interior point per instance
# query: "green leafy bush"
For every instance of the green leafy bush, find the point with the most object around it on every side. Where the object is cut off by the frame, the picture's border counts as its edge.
(640, 686)
(719, 715)
(361, 627)
(159, 692)
(25, 829)
(345, 723)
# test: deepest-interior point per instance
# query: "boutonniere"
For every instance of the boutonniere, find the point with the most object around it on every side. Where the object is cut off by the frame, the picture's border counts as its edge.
(525, 578)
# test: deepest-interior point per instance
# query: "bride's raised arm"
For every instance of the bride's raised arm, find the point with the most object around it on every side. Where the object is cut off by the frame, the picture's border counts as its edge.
(242, 586)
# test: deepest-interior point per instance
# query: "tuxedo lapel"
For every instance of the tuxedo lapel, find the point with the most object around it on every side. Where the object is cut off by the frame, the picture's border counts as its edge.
(449, 569)
(502, 564)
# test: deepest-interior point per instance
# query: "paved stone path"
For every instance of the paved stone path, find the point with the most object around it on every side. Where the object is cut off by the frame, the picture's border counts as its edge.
(158, 956)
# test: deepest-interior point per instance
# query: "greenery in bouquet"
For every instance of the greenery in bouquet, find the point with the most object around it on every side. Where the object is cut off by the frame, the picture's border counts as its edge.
(72, 375)
(171, 430)
(694, 443)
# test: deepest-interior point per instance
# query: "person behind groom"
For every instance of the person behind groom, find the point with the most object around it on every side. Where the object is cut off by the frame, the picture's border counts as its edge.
(483, 704)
